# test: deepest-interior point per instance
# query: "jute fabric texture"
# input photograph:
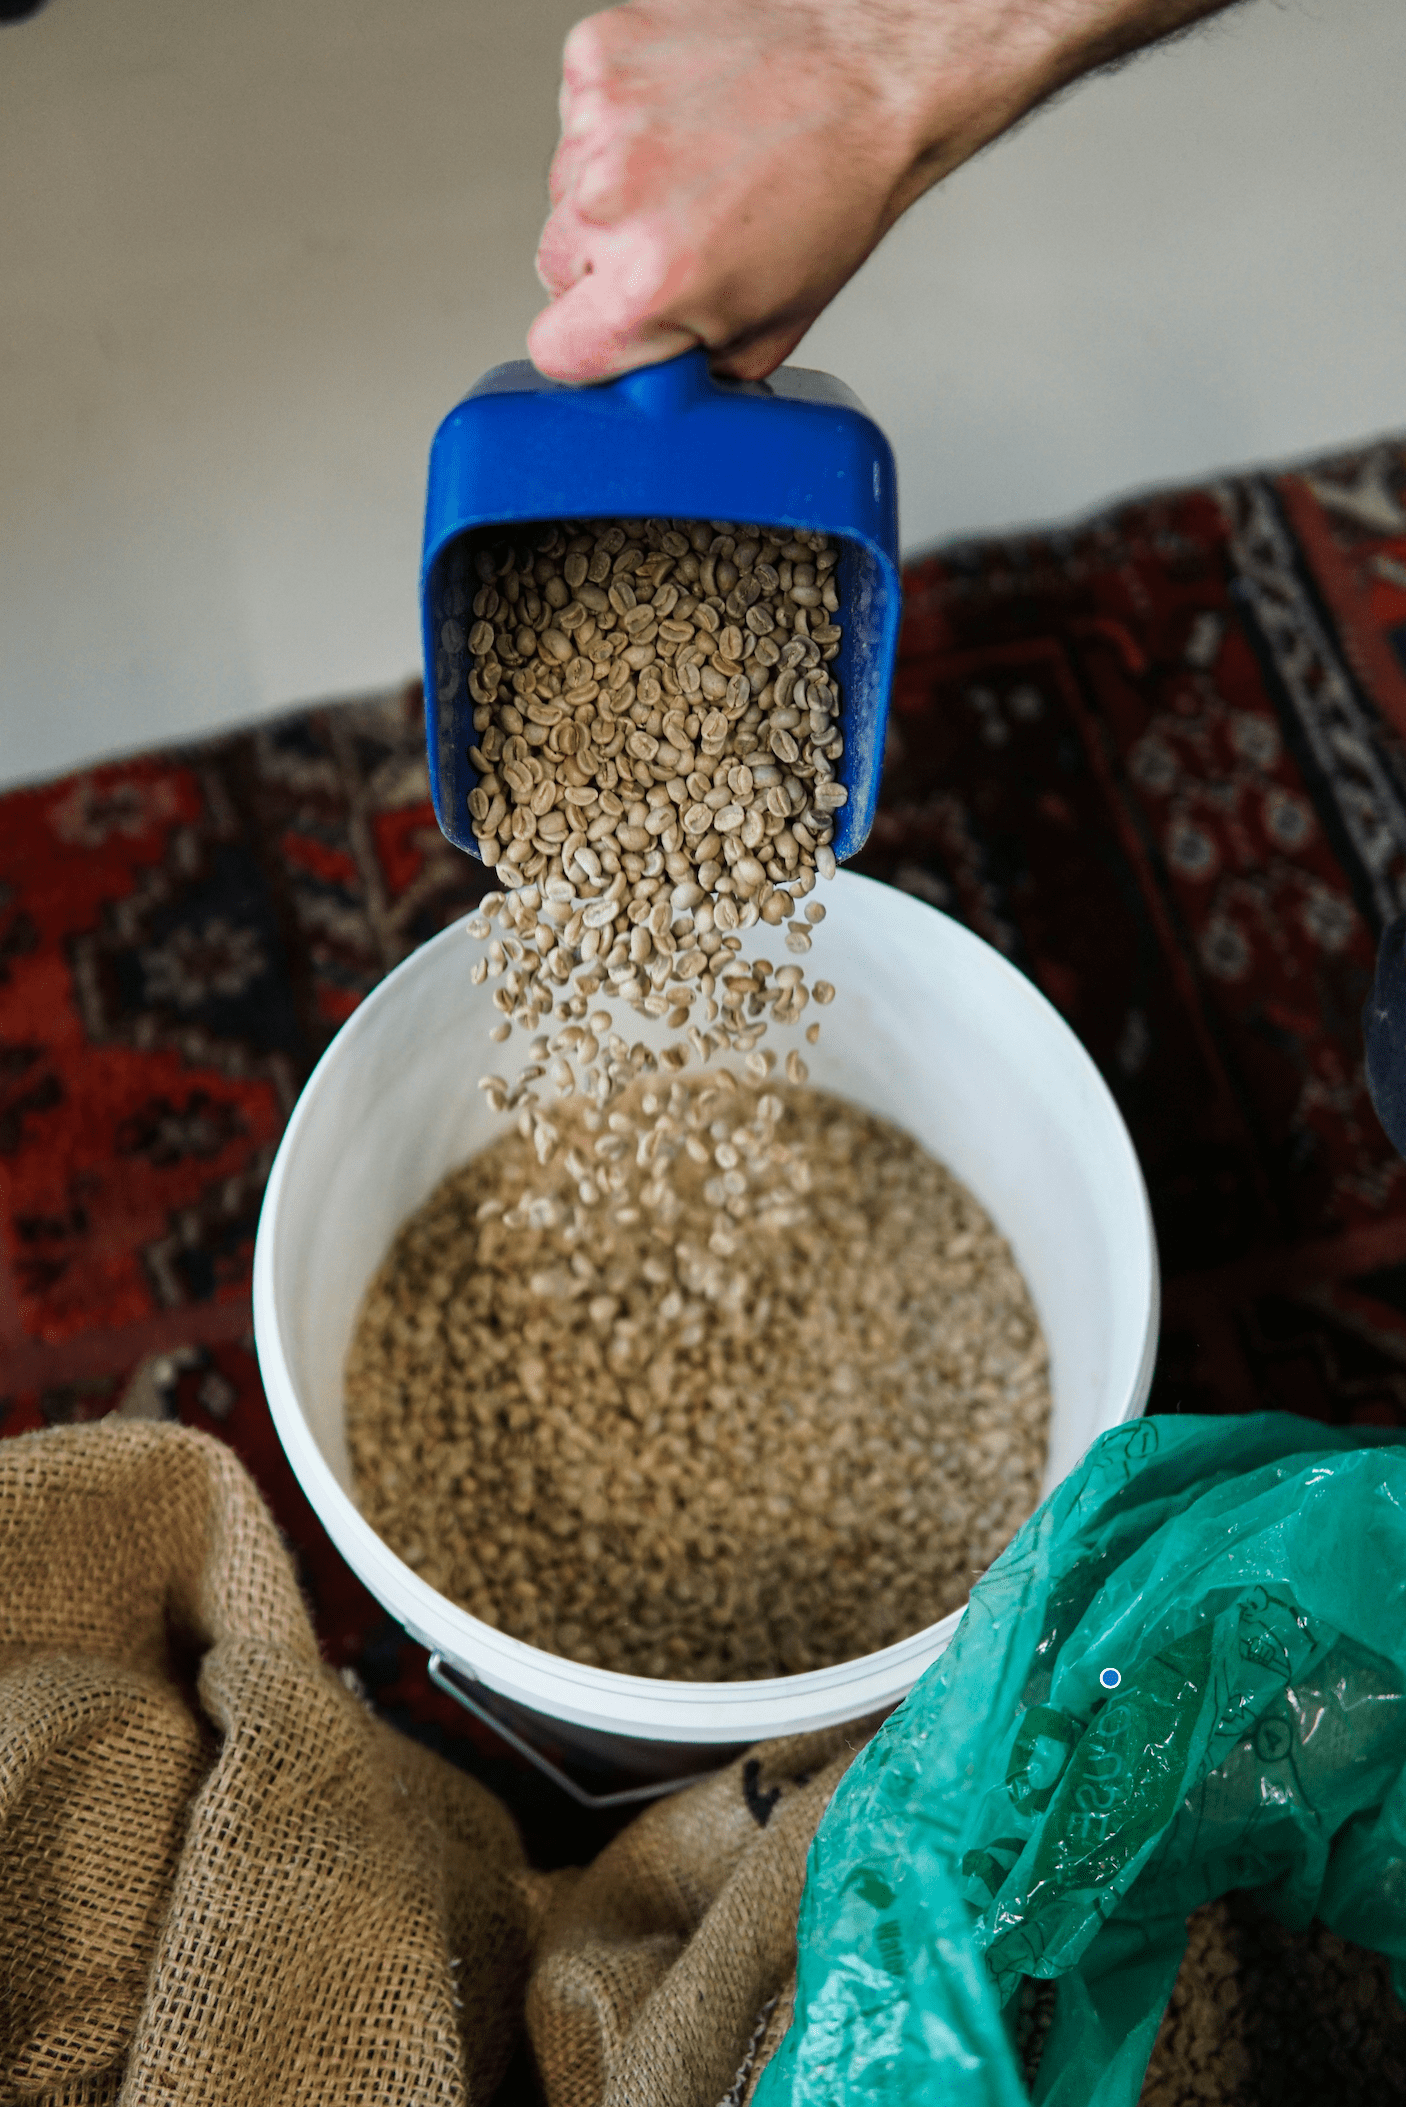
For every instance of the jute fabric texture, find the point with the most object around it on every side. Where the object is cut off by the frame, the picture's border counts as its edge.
(665, 1972)
(224, 1880)
(221, 1878)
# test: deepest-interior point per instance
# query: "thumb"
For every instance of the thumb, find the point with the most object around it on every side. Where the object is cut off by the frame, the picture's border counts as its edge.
(570, 340)
(609, 321)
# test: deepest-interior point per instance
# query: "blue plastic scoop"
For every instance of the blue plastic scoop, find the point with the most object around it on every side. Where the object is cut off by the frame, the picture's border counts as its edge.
(669, 441)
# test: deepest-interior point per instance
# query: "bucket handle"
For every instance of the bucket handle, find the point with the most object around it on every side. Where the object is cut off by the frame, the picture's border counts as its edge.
(457, 1685)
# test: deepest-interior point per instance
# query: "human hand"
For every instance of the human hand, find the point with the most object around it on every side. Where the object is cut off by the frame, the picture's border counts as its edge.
(726, 165)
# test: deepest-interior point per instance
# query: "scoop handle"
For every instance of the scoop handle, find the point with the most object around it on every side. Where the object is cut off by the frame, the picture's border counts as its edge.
(671, 385)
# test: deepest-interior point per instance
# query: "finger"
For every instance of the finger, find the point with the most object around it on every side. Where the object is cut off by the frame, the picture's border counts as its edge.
(604, 169)
(585, 54)
(595, 182)
(584, 337)
(563, 254)
(757, 358)
(566, 162)
(622, 280)
(581, 105)
(585, 123)
(635, 295)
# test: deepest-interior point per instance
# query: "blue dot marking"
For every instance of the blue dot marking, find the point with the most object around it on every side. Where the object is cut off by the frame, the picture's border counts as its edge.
(1110, 1678)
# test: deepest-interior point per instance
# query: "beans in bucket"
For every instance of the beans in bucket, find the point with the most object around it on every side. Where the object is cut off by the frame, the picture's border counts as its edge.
(690, 1378)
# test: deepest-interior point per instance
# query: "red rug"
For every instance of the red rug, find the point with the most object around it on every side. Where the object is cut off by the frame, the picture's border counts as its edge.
(1156, 758)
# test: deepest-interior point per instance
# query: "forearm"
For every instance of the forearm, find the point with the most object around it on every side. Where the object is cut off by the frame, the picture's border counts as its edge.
(949, 76)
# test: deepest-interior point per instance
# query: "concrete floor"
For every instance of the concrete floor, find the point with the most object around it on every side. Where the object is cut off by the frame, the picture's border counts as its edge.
(249, 256)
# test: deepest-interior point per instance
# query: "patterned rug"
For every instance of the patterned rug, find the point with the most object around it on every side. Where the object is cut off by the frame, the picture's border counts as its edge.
(1158, 759)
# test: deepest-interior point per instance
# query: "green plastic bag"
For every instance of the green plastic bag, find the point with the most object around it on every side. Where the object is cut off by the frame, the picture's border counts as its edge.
(1186, 1675)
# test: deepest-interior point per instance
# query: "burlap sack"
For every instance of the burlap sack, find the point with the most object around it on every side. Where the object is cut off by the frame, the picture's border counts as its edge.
(221, 1879)
(665, 1973)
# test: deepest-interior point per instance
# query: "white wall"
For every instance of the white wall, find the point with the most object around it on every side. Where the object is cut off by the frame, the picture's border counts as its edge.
(249, 255)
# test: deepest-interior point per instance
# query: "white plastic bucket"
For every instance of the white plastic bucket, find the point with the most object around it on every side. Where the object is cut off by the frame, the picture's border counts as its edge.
(931, 1028)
